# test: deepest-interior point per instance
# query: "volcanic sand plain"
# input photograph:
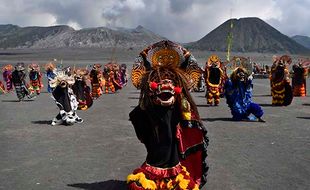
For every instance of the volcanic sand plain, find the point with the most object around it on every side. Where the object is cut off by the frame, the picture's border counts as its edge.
(102, 151)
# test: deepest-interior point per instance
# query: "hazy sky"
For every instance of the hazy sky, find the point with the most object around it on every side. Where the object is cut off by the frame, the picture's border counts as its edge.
(179, 20)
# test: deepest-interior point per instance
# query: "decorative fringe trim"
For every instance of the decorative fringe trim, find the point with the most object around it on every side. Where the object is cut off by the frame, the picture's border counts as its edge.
(182, 181)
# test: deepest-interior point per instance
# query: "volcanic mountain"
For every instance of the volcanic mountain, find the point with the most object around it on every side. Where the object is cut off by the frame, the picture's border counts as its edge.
(12, 36)
(248, 35)
(302, 40)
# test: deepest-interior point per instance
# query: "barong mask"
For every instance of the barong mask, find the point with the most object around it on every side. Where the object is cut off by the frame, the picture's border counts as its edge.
(214, 61)
(240, 74)
(165, 72)
(163, 91)
(81, 74)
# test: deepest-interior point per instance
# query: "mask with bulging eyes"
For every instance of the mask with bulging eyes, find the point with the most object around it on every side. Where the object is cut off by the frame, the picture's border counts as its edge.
(241, 75)
(164, 92)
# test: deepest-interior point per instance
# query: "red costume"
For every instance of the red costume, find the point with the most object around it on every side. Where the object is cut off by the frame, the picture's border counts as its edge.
(167, 122)
(96, 81)
(35, 78)
(300, 72)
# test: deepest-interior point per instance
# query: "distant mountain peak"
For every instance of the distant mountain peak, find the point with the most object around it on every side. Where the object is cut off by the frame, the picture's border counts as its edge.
(302, 40)
(250, 34)
(12, 36)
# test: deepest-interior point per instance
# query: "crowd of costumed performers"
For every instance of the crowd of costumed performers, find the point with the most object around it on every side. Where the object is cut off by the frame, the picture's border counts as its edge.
(215, 78)
(166, 120)
(16, 77)
(110, 79)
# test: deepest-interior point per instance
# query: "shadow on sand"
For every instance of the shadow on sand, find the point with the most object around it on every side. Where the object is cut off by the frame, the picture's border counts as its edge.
(42, 122)
(10, 100)
(105, 185)
(267, 105)
(305, 104)
(261, 95)
(303, 117)
(30, 100)
(133, 98)
(217, 119)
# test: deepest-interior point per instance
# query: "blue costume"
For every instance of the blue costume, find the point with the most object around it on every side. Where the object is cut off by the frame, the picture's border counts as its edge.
(238, 94)
(50, 75)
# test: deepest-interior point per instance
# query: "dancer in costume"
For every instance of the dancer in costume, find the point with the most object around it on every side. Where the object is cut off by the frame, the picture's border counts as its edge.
(7, 77)
(81, 89)
(51, 70)
(35, 78)
(123, 75)
(167, 122)
(300, 73)
(96, 81)
(112, 77)
(18, 80)
(238, 93)
(214, 78)
(65, 100)
(281, 89)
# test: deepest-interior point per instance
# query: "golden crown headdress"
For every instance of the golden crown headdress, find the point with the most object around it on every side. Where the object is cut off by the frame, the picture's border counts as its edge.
(165, 54)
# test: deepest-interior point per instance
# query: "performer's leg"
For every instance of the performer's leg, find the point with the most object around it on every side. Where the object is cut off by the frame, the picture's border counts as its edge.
(217, 99)
(112, 88)
(107, 89)
(57, 120)
(256, 110)
(209, 98)
(238, 115)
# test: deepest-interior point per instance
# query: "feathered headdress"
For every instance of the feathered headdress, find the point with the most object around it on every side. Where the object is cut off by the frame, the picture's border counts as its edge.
(8, 67)
(61, 76)
(49, 66)
(34, 66)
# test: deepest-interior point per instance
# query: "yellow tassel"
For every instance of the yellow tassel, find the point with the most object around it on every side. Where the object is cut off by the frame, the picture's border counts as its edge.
(183, 183)
(196, 187)
(169, 184)
(132, 177)
(146, 184)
